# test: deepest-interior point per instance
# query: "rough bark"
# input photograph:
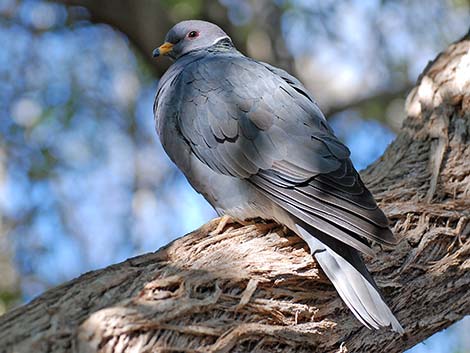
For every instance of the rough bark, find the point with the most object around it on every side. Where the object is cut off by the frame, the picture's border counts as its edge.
(255, 288)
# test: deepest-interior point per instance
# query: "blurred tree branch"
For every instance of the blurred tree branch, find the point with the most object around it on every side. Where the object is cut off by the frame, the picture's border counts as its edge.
(146, 23)
(374, 106)
(256, 289)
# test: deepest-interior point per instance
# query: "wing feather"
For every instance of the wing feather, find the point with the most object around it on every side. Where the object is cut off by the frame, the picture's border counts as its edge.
(259, 123)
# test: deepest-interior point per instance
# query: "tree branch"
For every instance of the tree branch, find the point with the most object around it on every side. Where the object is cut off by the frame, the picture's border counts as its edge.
(256, 288)
(372, 107)
(146, 23)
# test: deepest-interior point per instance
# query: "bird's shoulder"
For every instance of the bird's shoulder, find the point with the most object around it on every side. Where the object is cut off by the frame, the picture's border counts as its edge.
(231, 73)
(262, 90)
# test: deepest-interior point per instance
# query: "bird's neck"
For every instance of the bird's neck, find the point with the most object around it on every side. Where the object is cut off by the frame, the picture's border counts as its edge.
(223, 45)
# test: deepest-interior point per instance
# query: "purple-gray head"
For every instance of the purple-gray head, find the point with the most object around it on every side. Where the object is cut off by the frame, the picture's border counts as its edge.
(188, 36)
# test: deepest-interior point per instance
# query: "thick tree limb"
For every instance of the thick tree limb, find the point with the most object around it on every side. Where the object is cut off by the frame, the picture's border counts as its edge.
(256, 289)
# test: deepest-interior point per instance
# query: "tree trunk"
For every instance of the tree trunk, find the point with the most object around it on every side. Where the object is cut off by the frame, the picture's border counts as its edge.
(255, 288)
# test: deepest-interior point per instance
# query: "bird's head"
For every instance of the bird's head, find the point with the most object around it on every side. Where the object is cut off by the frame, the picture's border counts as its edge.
(188, 36)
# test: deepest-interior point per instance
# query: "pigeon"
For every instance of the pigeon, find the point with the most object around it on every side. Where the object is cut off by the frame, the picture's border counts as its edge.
(251, 139)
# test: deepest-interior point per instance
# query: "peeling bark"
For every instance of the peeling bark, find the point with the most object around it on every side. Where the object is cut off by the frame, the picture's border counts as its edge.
(255, 288)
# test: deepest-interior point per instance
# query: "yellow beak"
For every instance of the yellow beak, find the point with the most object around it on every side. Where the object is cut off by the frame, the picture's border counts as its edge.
(163, 49)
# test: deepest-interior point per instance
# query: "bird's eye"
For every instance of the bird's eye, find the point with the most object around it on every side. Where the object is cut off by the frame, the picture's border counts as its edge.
(193, 34)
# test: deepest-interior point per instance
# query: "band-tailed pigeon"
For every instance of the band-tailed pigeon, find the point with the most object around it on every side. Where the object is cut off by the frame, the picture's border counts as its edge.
(250, 138)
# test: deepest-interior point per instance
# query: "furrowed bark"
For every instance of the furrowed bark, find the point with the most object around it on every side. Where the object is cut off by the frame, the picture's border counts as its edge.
(255, 288)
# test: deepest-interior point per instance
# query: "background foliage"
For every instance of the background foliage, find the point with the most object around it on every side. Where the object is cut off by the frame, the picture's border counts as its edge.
(83, 180)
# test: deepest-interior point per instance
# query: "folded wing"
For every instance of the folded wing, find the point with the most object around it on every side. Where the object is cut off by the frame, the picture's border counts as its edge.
(250, 120)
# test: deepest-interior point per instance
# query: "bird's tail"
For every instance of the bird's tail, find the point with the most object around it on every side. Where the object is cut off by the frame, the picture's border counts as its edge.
(348, 273)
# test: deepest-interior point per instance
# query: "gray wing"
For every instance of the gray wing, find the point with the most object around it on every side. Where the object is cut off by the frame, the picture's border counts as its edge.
(250, 120)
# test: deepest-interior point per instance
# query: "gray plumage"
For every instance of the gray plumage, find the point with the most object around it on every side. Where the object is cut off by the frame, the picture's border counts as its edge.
(251, 139)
